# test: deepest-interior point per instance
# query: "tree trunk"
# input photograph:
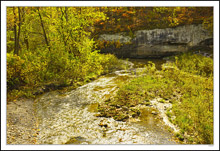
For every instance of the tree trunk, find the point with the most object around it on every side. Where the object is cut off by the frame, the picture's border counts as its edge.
(15, 33)
(19, 30)
(25, 30)
(62, 33)
(26, 42)
(45, 36)
(66, 14)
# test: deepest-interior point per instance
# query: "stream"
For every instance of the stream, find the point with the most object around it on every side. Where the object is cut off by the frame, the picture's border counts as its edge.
(69, 118)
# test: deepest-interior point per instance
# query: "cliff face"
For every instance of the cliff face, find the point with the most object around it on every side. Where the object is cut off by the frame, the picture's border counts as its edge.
(157, 42)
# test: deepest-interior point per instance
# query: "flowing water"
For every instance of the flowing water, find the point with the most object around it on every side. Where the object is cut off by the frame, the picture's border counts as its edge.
(70, 118)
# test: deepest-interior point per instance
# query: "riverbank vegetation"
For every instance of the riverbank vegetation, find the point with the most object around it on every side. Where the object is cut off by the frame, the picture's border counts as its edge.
(187, 83)
(55, 47)
(59, 45)
(52, 45)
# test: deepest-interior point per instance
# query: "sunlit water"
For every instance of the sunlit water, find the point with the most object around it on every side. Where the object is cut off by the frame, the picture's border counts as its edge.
(70, 118)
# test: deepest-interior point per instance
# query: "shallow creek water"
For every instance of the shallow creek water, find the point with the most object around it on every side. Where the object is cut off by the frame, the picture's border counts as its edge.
(69, 118)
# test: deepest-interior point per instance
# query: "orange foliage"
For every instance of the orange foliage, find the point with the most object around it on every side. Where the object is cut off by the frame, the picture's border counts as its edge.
(136, 18)
(125, 15)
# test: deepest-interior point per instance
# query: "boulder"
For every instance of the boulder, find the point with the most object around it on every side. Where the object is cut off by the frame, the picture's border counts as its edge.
(158, 43)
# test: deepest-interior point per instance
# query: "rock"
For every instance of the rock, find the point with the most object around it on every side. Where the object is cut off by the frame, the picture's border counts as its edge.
(115, 37)
(206, 42)
(84, 143)
(158, 43)
(110, 131)
(98, 115)
(125, 108)
(170, 101)
(103, 124)
(134, 115)
(122, 117)
(117, 106)
(154, 112)
(148, 104)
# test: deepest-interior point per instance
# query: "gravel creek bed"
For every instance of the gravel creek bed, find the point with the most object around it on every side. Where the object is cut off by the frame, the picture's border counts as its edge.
(21, 122)
(56, 118)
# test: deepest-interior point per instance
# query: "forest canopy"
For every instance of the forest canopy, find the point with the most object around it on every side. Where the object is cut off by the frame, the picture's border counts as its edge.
(58, 47)
(68, 25)
(59, 44)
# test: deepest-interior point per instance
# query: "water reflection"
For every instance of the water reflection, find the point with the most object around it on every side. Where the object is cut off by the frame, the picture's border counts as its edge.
(140, 63)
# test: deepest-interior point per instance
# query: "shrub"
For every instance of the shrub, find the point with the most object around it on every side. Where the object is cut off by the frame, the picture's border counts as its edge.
(43, 66)
(196, 64)
(15, 71)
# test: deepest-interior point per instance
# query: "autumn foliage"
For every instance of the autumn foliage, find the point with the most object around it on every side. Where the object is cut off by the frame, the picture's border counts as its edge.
(53, 45)
(59, 44)
(120, 19)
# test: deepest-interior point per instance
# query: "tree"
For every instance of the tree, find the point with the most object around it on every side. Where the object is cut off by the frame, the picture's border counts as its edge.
(44, 32)
(127, 19)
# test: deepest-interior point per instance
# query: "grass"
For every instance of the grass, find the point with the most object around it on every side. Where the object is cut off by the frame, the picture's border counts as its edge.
(189, 89)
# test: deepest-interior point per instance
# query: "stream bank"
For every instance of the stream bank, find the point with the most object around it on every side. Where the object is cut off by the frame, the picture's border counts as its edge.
(70, 118)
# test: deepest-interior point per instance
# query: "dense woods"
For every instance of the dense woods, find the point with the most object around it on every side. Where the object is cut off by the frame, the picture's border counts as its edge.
(121, 19)
(59, 46)
(50, 43)
(131, 19)
(53, 45)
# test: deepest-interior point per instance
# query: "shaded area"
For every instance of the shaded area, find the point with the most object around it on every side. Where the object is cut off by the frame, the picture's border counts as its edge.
(140, 63)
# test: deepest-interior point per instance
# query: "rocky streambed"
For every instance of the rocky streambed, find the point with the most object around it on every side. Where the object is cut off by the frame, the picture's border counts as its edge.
(70, 118)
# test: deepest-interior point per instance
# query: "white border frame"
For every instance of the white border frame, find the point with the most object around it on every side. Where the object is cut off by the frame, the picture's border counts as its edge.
(214, 4)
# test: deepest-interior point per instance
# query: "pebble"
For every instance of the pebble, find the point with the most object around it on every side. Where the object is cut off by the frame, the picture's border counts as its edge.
(155, 113)
(68, 117)
(111, 131)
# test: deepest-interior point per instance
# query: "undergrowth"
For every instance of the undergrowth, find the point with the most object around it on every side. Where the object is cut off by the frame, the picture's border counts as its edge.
(189, 89)
(33, 70)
